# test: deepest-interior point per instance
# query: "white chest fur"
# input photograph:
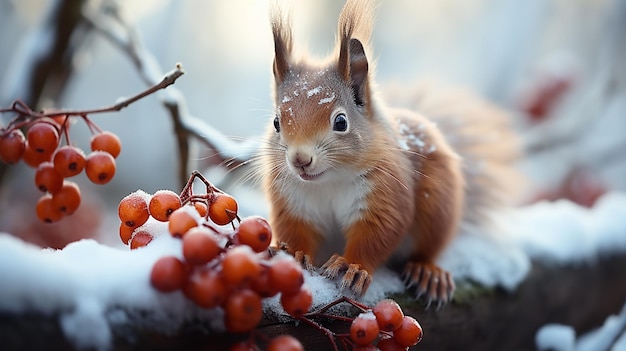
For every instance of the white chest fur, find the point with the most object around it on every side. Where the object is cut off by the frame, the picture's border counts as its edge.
(332, 204)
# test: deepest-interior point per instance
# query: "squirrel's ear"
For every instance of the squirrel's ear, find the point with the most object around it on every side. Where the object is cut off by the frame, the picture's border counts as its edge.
(353, 67)
(282, 45)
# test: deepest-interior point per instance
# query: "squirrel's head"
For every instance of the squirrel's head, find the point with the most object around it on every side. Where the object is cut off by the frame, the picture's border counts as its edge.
(324, 111)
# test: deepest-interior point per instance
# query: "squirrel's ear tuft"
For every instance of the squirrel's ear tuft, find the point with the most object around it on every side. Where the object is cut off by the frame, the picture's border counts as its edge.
(281, 29)
(354, 33)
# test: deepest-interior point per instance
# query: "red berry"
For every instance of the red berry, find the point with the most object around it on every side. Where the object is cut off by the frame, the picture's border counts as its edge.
(255, 232)
(222, 209)
(163, 203)
(133, 209)
(364, 329)
(180, 221)
(168, 274)
(34, 158)
(240, 266)
(298, 303)
(43, 137)
(388, 314)
(108, 142)
(140, 239)
(286, 275)
(47, 179)
(201, 208)
(410, 332)
(388, 343)
(46, 211)
(200, 246)
(69, 161)
(100, 167)
(285, 343)
(206, 288)
(261, 283)
(243, 311)
(67, 199)
(12, 146)
(126, 233)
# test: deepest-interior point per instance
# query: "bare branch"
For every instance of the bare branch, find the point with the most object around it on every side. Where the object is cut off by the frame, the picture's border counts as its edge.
(113, 27)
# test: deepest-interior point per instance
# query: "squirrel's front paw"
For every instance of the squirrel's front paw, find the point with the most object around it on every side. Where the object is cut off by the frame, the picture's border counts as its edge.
(355, 279)
(300, 256)
(431, 281)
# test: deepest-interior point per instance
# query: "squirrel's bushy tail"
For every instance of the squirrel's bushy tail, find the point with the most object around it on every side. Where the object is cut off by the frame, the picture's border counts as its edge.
(482, 135)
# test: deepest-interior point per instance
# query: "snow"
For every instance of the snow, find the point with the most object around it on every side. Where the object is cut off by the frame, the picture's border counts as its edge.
(611, 336)
(556, 337)
(330, 98)
(90, 284)
(314, 91)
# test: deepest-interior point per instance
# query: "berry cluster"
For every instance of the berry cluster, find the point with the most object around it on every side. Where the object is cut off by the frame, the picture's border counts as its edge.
(387, 321)
(42, 149)
(227, 263)
(220, 267)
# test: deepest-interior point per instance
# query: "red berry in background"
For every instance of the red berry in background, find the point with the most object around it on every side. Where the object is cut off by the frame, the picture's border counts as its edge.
(47, 178)
(133, 209)
(46, 211)
(108, 142)
(140, 239)
(410, 332)
(68, 198)
(34, 158)
(206, 288)
(43, 137)
(69, 161)
(168, 274)
(163, 203)
(180, 221)
(388, 314)
(255, 232)
(364, 329)
(100, 167)
(222, 209)
(285, 343)
(12, 146)
(240, 266)
(200, 246)
(297, 304)
(243, 311)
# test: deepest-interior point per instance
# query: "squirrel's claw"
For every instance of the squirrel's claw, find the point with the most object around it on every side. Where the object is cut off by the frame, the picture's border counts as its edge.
(431, 282)
(355, 279)
(304, 260)
(300, 256)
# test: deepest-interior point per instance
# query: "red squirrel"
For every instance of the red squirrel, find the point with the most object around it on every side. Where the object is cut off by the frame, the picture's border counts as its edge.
(352, 182)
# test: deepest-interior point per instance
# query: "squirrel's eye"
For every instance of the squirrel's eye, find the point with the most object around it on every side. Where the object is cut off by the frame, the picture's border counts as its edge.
(340, 124)
(277, 124)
